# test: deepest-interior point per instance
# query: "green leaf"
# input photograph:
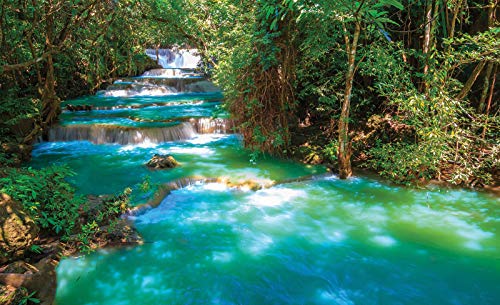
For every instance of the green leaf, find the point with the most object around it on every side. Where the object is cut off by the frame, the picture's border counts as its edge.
(385, 20)
(273, 24)
(394, 3)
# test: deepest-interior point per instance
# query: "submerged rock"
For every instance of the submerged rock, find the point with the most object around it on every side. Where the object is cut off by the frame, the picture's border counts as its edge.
(17, 229)
(162, 162)
(70, 107)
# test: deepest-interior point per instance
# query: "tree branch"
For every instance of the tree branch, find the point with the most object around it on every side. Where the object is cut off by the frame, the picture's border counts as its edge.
(26, 64)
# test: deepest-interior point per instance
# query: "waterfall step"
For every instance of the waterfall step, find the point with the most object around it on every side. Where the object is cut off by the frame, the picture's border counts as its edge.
(159, 87)
(175, 58)
(153, 116)
(70, 107)
(110, 103)
(103, 134)
(170, 73)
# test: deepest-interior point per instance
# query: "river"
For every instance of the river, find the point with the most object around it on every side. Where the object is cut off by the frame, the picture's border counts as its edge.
(316, 241)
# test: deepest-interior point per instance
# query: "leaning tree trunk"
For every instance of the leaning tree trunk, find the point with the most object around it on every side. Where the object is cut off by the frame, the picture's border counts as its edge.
(344, 153)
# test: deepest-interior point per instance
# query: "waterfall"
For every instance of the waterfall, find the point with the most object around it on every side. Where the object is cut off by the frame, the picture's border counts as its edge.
(175, 58)
(153, 86)
(171, 73)
(213, 125)
(101, 134)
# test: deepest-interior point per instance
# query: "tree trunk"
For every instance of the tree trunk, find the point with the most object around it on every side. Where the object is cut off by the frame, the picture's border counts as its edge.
(484, 93)
(427, 34)
(453, 22)
(431, 13)
(472, 79)
(50, 101)
(344, 153)
(486, 85)
(492, 89)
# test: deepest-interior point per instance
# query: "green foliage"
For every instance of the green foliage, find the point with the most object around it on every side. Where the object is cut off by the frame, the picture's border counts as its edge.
(405, 163)
(330, 151)
(29, 299)
(102, 215)
(280, 62)
(46, 196)
(36, 249)
(65, 49)
(19, 121)
(52, 203)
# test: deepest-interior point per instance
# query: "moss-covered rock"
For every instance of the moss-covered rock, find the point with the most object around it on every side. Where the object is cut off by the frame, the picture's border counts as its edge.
(162, 161)
(17, 229)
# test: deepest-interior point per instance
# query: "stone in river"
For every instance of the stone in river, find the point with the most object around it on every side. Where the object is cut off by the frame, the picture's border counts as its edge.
(162, 162)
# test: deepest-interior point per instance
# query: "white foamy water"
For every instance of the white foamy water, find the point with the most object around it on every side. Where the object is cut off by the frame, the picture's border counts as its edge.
(175, 58)
(274, 197)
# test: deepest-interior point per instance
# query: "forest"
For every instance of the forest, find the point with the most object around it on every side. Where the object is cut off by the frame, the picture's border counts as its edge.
(406, 89)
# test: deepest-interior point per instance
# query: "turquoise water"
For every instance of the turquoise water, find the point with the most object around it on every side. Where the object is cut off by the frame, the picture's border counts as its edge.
(317, 241)
(153, 116)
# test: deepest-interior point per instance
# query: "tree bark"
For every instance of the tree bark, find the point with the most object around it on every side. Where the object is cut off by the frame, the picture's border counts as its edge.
(27, 64)
(492, 89)
(471, 80)
(486, 85)
(50, 101)
(431, 12)
(344, 153)
(453, 22)
(427, 34)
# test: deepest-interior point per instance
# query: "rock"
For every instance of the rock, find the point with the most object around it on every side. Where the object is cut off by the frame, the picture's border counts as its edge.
(162, 161)
(123, 234)
(202, 86)
(17, 229)
(72, 108)
(40, 278)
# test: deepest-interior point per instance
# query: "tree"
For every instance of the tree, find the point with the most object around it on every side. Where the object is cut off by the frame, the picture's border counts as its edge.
(353, 17)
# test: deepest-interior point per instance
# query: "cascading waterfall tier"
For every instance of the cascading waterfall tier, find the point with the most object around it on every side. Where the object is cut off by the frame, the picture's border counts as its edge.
(172, 73)
(101, 134)
(145, 86)
(117, 119)
(175, 58)
(213, 125)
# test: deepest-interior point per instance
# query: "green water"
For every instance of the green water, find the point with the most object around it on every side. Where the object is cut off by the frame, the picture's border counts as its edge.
(320, 241)
(152, 116)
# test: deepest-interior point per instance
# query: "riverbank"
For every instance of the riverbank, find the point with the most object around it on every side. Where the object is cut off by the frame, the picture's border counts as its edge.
(30, 254)
(315, 143)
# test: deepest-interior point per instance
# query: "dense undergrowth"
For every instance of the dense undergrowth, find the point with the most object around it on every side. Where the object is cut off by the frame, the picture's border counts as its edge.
(50, 200)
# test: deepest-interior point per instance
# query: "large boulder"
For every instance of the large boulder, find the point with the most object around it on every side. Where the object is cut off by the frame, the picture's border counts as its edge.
(17, 229)
(162, 161)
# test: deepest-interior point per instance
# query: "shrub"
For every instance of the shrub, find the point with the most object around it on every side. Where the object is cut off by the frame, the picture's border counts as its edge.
(46, 196)
(405, 163)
